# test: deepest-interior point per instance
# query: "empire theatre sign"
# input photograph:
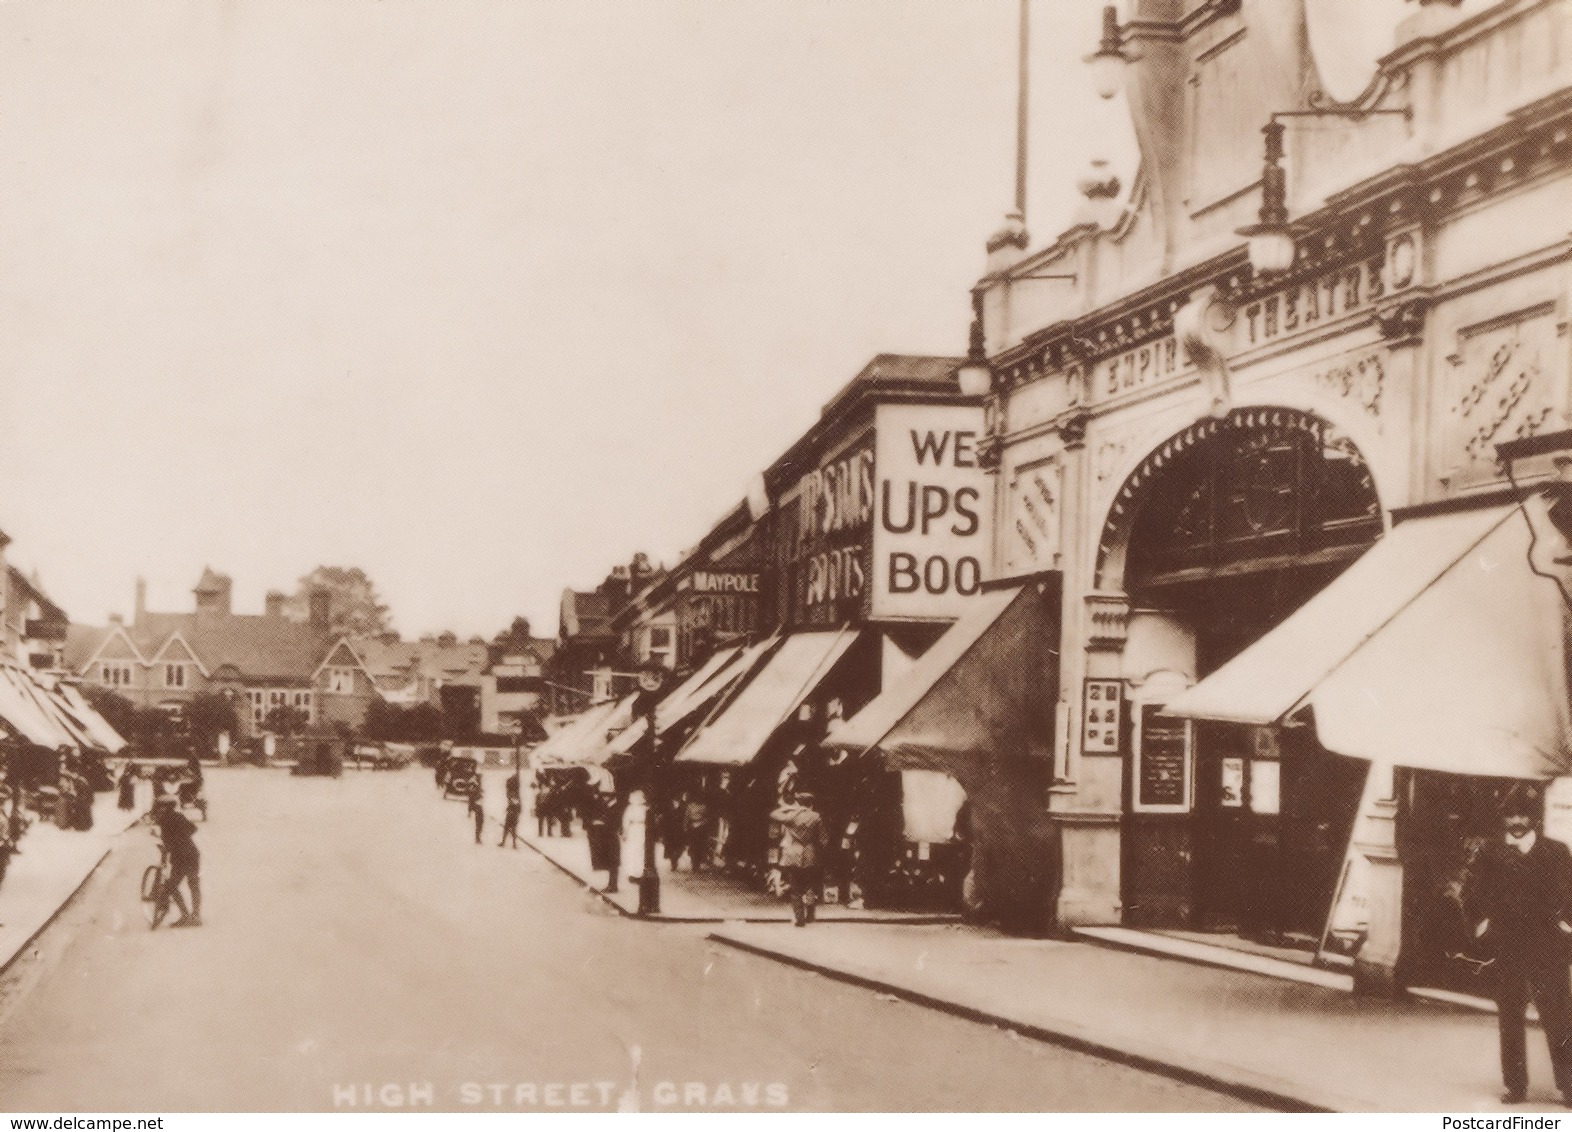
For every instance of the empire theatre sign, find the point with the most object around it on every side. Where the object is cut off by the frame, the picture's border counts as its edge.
(897, 530)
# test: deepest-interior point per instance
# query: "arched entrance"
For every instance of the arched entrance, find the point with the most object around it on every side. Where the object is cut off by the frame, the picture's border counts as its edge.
(1226, 529)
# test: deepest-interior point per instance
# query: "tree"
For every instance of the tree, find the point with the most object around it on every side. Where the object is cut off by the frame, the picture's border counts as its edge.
(517, 633)
(285, 721)
(395, 723)
(209, 715)
(357, 611)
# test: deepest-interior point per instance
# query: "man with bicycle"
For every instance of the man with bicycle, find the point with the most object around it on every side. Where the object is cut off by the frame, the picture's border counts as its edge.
(178, 833)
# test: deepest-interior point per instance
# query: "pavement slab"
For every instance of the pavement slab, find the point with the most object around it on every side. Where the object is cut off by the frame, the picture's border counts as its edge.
(1283, 1044)
(52, 865)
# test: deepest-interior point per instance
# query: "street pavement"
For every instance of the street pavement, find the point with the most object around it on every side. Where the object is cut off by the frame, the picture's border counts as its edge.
(361, 951)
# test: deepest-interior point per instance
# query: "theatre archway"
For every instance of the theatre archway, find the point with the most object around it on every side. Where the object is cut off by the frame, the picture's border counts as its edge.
(1224, 530)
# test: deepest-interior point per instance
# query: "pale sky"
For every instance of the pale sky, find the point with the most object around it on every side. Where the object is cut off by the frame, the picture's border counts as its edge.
(478, 295)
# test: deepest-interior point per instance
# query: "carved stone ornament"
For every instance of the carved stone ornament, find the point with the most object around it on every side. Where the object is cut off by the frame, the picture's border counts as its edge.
(1402, 323)
(1107, 620)
(1072, 429)
(1202, 326)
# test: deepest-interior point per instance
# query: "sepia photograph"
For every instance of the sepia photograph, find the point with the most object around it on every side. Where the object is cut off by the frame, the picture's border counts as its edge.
(755, 556)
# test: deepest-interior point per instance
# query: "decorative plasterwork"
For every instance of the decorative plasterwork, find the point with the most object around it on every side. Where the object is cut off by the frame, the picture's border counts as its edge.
(1035, 518)
(1361, 380)
(1504, 386)
(1107, 620)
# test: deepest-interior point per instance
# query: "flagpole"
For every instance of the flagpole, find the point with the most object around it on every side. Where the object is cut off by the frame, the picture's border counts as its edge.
(1021, 111)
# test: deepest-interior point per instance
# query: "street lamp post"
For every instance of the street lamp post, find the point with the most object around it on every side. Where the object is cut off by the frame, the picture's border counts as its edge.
(650, 681)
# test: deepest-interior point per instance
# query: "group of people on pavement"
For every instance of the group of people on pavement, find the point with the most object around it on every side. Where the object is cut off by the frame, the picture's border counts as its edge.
(475, 808)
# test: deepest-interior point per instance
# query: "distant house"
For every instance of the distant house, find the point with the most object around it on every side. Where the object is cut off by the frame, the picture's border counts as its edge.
(261, 662)
(590, 664)
(514, 687)
(417, 672)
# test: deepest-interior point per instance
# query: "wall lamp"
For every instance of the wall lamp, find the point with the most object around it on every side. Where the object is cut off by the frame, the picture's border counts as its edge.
(1108, 61)
(1272, 245)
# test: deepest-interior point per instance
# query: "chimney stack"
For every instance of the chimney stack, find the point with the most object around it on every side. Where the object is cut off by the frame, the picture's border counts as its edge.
(273, 604)
(141, 600)
(321, 604)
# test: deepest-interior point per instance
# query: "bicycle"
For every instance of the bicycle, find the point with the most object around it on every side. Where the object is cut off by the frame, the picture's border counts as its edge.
(155, 889)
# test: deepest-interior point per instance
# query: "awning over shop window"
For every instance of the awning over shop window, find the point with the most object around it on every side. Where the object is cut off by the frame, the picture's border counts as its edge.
(24, 712)
(698, 691)
(1439, 649)
(101, 729)
(569, 738)
(593, 745)
(787, 678)
(869, 727)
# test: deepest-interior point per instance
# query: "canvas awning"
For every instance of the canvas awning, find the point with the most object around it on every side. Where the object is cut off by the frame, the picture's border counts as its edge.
(101, 729)
(889, 707)
(786, 679)
(24, 713)
(593, 746)
(698, 692)
(1438, 649)
(556, 748)
(974, 691)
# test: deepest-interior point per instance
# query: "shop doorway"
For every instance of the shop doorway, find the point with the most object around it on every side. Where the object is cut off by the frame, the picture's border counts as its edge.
(1442, 822)
(1231, 533)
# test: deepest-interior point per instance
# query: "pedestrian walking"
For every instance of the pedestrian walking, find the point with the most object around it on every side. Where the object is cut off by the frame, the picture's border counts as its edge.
(603, 831)
(542, 806)
(477, 809)
(510, 820)
(127, 786)
(1518, 892)
(696, 830)
(801, 853)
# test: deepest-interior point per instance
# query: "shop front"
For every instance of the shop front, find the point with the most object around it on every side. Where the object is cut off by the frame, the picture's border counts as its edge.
(964, 741)
(1435, 669)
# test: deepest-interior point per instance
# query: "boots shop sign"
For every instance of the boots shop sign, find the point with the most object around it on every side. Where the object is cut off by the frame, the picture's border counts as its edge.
(828, 562)
(931, 531)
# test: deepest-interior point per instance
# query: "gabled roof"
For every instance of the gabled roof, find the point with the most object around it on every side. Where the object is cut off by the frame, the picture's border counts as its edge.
(168, 652)
(34, 592)
(586, 613)
(398, 661)
(259, 647)
(83, 648)
(343, 654)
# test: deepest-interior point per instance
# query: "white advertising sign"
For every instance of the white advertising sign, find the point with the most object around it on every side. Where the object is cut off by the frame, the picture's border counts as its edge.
(932, 528)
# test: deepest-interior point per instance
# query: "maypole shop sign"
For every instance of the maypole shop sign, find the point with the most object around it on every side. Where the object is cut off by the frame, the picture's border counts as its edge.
(931, 534)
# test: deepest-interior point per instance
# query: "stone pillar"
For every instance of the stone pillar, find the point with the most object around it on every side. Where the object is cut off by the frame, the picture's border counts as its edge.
(1375, 967)
(1088, 810)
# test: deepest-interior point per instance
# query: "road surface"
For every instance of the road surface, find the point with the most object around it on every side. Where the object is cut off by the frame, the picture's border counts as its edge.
(361, 952)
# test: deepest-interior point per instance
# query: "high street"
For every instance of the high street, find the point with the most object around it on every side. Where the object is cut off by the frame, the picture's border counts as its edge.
(359, 947)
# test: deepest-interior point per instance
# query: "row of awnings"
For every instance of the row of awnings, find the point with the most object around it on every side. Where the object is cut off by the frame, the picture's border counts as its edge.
(1440, 648)
(738, 700)
(52, 715)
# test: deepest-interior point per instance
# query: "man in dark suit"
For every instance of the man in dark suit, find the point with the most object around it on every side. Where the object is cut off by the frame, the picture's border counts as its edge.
(1519, 894)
